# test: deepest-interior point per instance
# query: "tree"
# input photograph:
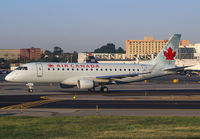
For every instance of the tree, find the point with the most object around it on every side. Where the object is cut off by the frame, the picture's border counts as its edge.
(109, 48)
(119, 50)
(74, 56)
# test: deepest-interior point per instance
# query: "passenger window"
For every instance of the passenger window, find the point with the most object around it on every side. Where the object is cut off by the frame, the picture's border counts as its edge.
(86, 69)
(129, 69)
(115, 69)
(53, 69)
(91, 69)
(48, 68)
(133, 69)
(63, 69)
(101, 69)
(124, 69)
(96, 69)
(105, 69)
(110, 69)
(120, 69)
(77, 69)
(58, 69)
(68, 69)
(82, 69)
(72, 69)
(137, 69)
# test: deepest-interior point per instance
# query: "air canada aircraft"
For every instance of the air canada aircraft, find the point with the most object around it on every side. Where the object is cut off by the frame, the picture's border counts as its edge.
(91, 75)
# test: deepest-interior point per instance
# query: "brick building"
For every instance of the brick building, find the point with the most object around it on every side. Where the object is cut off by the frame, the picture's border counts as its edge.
(30, 53)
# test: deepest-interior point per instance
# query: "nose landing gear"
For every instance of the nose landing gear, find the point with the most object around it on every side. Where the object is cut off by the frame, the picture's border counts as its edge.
(30, 87)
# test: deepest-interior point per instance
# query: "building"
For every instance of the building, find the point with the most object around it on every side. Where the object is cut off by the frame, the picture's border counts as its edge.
(30, 53)
(147, 47)
(191, 51)
(84, 57)
(8, 54)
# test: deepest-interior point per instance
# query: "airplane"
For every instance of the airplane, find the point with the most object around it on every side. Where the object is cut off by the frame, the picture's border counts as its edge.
(91, 75)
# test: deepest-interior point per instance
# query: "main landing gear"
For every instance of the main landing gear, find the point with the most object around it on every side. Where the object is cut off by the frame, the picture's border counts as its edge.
(91, 90)
(104, 89)
(30, 87)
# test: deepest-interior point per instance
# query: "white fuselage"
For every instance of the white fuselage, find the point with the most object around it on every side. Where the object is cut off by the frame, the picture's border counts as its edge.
(70, 73)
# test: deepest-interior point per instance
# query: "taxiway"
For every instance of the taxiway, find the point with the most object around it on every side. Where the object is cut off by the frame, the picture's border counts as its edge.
(156, 97)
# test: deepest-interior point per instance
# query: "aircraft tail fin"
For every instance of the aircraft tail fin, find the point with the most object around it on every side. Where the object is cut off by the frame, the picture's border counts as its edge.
(168, 54)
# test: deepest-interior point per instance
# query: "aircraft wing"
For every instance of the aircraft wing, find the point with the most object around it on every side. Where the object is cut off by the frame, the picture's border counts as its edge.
(119, 76)
(176, 68)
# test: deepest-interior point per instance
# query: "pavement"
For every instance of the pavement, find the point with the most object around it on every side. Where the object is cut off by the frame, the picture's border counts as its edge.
(157, 97)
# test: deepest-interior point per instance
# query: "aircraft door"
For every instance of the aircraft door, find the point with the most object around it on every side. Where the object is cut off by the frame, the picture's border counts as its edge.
(39, 70)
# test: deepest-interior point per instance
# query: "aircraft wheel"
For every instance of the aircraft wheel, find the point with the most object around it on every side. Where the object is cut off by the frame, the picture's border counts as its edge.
(30, 90)
(91, 90)
(104, 89)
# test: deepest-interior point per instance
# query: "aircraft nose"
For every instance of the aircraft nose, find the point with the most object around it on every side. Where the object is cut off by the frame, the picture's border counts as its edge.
(8, 78)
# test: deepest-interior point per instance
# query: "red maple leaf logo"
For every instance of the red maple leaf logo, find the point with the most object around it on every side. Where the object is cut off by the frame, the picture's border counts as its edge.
(89, 54)
(169, 54)
(50, 65)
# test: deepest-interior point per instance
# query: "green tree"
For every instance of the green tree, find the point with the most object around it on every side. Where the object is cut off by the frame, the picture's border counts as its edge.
(74, 56)
(109, 48)
(119, 50)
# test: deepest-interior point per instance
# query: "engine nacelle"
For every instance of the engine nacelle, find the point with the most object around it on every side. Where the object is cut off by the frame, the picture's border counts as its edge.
(85, 84)
(66, 86)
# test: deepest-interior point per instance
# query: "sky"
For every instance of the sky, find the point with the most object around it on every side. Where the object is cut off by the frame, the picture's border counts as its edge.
(84, 25)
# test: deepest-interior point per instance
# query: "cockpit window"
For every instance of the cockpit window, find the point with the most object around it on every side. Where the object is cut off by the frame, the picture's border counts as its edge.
(22, 68)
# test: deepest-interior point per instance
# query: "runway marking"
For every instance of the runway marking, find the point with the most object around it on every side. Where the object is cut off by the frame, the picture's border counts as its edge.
(31, 104)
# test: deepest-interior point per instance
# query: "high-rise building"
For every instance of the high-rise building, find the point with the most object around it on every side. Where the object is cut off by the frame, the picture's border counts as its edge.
(148, 46)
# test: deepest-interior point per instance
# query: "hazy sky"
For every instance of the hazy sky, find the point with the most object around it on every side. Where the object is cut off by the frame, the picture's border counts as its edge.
(83, 25)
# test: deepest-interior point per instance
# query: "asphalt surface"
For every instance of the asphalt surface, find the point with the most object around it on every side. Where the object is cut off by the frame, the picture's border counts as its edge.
(158, 95)
(107, 104)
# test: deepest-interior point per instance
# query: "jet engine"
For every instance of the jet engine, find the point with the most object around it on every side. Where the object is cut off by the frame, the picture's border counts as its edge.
(66, 86)
(85, 84)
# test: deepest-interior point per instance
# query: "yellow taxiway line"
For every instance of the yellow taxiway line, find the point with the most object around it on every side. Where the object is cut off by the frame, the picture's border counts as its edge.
(31, 104)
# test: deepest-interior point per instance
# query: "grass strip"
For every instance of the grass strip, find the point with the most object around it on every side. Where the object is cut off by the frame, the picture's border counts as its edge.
(99, 127)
